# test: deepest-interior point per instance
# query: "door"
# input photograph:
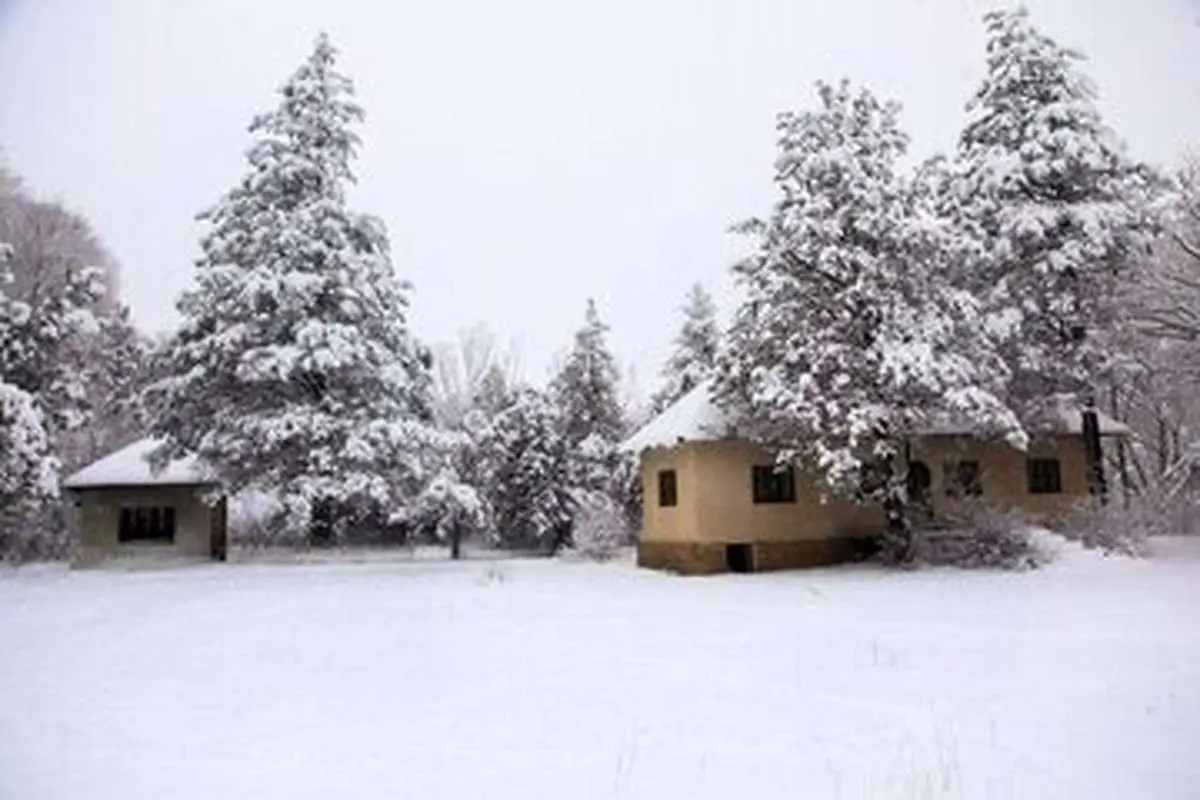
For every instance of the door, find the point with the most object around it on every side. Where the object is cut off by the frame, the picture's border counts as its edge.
(920, 490)
(739, 557)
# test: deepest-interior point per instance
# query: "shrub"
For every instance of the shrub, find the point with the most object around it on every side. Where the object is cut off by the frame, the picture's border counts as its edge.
(974, 535)
(40, 534)
(1119, 527)
(601, 529)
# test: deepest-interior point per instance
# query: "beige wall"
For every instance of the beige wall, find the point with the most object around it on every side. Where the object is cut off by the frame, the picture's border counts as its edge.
(1004, 476)
(727, 512)
(99, 520)
(715, 503)
(676, 523)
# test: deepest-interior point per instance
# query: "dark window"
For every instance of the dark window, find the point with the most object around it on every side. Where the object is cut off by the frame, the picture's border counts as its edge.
(774, 484)
(1045, 476)
(667, 490)
(147, 523)
(963, 479)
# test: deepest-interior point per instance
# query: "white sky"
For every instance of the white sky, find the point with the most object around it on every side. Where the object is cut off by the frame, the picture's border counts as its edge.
(525, 154)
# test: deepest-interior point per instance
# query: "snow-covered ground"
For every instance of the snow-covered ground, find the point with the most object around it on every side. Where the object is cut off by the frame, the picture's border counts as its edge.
(531, 679)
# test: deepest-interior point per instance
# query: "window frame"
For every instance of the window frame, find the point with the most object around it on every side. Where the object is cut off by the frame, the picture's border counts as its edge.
(773, 484)
(668, 488)
(1041, 482)
(147, 524)
(953, 484)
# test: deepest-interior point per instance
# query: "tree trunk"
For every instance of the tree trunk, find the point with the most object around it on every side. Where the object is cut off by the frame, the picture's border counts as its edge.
(1163, 443)
(1093, 454)
(455, 542)
(899, 542)
(1122, 460)
(321, 523)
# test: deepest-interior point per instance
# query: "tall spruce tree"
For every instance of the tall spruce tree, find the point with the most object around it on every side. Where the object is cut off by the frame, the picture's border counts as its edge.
(1049, 194)
(586, 387)
(849, 341)
(294, 369)
(528, 484)
(691, 363)
(28, 469)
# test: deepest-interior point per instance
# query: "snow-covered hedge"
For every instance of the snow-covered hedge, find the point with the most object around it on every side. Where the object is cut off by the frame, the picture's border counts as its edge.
(975, 535)
(1121, 527)
(601, 529)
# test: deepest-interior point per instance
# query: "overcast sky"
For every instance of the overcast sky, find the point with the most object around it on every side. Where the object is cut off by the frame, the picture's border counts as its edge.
(524, 154)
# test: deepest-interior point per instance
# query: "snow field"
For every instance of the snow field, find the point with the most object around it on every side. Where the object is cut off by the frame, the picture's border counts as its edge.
(531, 679)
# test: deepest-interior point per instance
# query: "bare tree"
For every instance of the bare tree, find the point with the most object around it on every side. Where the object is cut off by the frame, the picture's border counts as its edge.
(461, 371)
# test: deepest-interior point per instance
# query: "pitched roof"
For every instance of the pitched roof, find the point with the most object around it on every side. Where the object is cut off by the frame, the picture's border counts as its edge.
(695, 417)
(130, 466)
(692, 418)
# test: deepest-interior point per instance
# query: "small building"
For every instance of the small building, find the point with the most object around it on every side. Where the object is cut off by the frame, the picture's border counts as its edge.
(715, 502)
(127, 509)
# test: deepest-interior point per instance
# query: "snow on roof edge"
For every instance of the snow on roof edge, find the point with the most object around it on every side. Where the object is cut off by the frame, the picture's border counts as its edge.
(695, 417)
(130, 466)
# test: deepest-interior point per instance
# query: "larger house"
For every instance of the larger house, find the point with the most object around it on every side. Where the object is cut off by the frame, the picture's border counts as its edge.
(715, 502)
(125, 508)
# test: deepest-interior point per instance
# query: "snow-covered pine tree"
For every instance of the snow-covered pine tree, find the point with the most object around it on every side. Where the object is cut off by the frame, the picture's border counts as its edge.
(587, 394)
(691, 363)
(848, 341)
(28, 470)
(114, 376)
(528, 490)
(294, 370)
(1049, 193)
(450, 509)
(48, 349)
(586, 388)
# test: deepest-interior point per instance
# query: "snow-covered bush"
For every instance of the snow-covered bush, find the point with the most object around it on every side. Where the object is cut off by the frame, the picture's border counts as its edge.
(1120, 528)
(977, 535)
(259, 520)
(600, 529)
(449, 510)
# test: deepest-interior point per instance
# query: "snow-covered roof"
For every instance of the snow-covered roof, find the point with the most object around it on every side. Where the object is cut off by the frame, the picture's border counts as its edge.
(692, 418)
(130, 466)
(696, 418)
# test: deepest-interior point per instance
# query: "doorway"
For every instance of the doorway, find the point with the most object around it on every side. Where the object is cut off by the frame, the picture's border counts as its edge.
(920, 489)
(739, 557)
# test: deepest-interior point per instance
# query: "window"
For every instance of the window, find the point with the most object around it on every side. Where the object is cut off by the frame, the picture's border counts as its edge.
(962, 479)
(667, 490)
(147, 523)
(1045, 476)
(774, 484)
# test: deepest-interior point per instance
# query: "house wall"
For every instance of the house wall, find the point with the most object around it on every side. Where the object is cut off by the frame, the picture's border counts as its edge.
(1004, 475)
(676, 523)
(716, 506)
(727, 511)
(99, 521)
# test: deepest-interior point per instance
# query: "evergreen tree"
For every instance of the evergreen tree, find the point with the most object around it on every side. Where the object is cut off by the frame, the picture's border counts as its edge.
(50, 345)
(114, 376)
(1047, 191)
(28, 470)
(695, 349)
(528, 488)
(294, 369)
(849, 341)
(586, 387)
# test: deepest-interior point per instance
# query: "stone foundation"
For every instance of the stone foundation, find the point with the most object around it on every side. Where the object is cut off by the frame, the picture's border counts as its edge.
(686, 558)
(708, 558)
